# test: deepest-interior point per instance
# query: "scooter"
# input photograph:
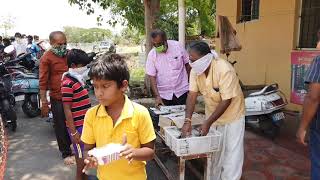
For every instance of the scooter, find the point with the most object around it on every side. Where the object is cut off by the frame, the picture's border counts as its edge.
(27, 65)
(264, 108)
(7, 100)
(25, 86)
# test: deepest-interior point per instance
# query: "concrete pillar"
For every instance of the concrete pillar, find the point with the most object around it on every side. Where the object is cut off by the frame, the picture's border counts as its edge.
(182, 21)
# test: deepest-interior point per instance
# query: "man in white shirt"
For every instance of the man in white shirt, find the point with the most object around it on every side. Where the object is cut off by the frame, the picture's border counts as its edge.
(19, 45)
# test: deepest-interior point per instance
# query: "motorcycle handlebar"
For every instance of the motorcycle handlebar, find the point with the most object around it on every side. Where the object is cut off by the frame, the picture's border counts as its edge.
(18, 59)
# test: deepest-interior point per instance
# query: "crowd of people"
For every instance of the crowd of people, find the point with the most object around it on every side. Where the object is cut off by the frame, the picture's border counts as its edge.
(22, 44)
(177, 77)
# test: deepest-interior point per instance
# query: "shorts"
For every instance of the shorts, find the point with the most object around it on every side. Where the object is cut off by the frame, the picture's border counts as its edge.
(78, 148)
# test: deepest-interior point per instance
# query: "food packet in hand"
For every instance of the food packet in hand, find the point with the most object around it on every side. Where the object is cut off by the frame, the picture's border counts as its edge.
(107, 154)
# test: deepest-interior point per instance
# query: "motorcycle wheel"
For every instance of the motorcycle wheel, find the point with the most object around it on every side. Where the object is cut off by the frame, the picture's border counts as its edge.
(269, 128)
(12, 100)
(30, 108)
(13, 126)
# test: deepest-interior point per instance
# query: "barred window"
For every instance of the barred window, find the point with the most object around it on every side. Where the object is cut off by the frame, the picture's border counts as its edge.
(249, 10)
(310, 23)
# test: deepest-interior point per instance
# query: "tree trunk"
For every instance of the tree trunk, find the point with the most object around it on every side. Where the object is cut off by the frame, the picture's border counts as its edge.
(151, 9)
(182, 22)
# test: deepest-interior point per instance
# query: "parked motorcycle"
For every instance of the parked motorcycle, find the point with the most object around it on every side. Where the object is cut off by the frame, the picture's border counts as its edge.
(7, 100)
(26, 65)
(264, 108)
(25, 86)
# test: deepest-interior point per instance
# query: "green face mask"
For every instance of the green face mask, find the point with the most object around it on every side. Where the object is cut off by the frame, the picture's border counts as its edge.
(60, 51)
(160, 49)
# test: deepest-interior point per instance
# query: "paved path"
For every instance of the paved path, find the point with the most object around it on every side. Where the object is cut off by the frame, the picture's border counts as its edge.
(33, 152)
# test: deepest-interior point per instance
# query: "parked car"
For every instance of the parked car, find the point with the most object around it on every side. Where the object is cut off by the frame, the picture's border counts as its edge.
(107, 46)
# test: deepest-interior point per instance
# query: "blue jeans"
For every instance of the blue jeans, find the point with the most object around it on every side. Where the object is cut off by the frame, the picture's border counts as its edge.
(315, 153)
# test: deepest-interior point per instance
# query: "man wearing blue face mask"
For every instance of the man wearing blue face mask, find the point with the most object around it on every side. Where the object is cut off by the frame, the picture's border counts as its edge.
(52, 66)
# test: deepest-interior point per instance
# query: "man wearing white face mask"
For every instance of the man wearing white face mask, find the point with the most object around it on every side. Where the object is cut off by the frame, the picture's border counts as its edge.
(76, 102)
(217, 81)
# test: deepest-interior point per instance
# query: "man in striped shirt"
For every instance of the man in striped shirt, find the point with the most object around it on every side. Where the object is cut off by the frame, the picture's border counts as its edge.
(311, 116)
(76, 102)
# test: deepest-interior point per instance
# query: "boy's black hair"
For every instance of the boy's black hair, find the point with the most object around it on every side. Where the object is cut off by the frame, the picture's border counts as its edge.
(110, 67)
(12, 39)
(6, 42)
(18, 35)
(77, 56)
(30, 37)
(202, 48)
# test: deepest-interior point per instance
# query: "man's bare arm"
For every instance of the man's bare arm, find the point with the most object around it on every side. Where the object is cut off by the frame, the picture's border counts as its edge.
(311, 104)
(154, 87)
(221, 108)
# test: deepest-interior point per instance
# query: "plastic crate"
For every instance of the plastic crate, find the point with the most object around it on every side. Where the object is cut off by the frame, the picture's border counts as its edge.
(191, 145)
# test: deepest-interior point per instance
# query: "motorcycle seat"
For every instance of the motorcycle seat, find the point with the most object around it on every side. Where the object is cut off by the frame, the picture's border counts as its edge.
(265, 90)
(27, 76)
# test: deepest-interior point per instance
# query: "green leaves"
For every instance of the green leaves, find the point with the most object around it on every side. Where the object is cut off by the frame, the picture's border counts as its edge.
(200, 15)
(81, 35)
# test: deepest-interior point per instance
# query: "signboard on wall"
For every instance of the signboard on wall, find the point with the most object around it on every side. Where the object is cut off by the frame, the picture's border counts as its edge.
(300, 62)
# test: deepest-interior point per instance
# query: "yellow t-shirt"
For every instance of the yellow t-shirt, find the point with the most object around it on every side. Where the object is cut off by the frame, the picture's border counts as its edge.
(135, 122)
(221, 83)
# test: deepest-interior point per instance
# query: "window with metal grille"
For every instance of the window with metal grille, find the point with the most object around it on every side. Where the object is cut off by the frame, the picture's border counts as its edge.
(310, 23)
(249, 10)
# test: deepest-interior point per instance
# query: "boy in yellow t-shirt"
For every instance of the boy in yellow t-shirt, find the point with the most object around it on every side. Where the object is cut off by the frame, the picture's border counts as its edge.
(117, 120)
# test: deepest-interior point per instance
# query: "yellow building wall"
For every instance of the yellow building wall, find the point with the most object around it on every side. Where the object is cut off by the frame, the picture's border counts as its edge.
(267, 42)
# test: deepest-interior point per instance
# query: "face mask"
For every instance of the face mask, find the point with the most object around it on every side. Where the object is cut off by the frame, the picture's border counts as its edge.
(200, 65)
(60, 51)
(160, 49)
(81, 74)
(19, 40)
(80, 70)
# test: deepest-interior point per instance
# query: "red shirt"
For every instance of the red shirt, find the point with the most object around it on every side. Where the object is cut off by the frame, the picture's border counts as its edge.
(51, 69)
(76, 95)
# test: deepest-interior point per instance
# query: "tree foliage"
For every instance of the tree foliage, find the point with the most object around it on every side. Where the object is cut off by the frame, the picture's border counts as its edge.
(200, 15)
(82, 35)
(132, 35)
(7, 23)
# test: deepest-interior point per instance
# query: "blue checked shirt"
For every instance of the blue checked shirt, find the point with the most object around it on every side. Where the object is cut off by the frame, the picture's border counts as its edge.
(313, 76)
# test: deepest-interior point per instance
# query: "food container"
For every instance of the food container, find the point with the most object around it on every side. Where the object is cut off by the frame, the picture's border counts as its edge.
(107, 154)
(195, 144)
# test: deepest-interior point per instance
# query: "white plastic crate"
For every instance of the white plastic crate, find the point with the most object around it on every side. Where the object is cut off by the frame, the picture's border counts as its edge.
(169, 109)
(191, 145)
